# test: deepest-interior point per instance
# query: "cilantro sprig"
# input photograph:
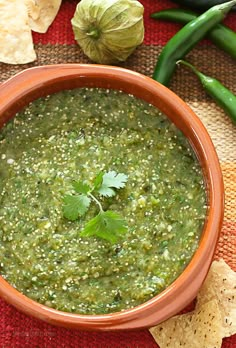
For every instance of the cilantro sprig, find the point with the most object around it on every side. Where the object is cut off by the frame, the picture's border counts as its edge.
(107, 225)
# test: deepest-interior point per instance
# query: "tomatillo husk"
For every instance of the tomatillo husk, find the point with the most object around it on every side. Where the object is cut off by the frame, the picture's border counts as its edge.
(108, 31)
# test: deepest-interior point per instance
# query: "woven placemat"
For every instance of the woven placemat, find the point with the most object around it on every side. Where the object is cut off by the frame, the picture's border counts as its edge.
(58, 46)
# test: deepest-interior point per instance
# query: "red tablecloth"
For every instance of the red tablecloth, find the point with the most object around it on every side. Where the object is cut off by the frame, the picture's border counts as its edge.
(58, 46)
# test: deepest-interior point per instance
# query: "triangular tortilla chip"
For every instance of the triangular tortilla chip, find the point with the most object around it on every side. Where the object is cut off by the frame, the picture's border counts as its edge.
(16, 43)
(220, 284)
(201, 328)
(42, 13)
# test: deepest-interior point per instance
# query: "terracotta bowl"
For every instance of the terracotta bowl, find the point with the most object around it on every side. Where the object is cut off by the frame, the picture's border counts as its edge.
(37, 82)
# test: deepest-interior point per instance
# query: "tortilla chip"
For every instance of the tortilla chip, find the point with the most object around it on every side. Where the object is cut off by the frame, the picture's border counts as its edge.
(42, 13)
(201, 328)
(213, 318)
(220, 284)
(16, 43)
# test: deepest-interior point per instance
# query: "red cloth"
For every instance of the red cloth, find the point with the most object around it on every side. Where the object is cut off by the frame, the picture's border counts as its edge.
(19, 331)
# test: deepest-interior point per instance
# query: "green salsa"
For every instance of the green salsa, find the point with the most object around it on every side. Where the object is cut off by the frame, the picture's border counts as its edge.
(73, 135)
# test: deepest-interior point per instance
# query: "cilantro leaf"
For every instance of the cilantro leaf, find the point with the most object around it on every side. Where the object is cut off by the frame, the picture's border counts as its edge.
(75, 206)
(98, 181)
(106, 191)
(112, 180)
(81, 187)
(107, 225)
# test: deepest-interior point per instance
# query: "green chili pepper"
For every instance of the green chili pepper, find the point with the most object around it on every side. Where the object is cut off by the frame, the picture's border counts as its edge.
(222, 95)
(220, 35)
(200, 4)
(182, 43)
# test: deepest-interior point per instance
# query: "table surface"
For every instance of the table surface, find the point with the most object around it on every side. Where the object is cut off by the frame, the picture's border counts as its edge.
(58, 46)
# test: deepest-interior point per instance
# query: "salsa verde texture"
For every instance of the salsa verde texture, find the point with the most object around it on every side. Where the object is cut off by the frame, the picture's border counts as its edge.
(73, 135)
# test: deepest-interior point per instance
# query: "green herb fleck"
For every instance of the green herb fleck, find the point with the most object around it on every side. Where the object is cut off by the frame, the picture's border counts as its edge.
(107, 225)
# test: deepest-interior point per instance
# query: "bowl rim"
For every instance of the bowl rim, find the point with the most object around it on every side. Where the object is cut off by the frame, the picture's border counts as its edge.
(163, 305)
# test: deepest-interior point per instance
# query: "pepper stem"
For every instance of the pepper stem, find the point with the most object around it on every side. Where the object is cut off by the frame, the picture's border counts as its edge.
(181, 61)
